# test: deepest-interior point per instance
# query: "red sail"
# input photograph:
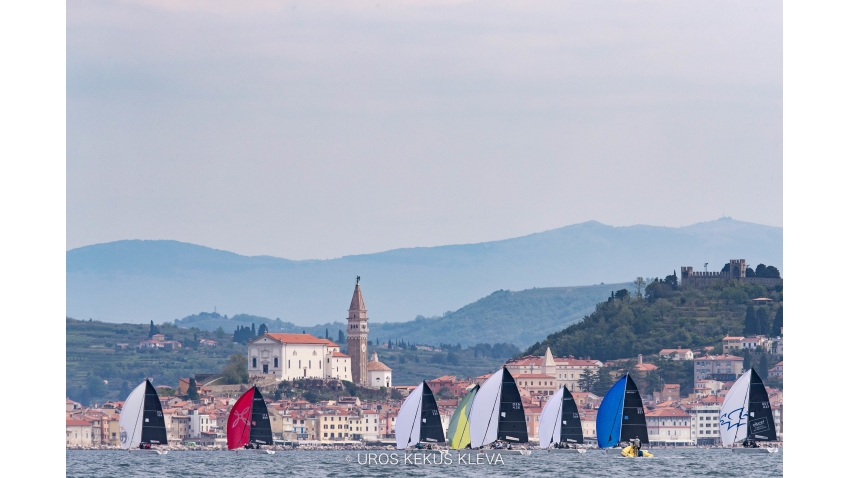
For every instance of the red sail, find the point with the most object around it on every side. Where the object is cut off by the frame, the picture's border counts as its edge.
(239, 421)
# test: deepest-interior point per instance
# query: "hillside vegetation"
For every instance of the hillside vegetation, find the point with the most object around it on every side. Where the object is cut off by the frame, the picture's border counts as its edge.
(668, 317)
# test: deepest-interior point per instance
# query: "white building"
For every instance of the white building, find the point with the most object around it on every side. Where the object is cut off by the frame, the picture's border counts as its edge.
(669, 427)
(566, 370)
(371, 425)
(705, 420)
(725, 368)
(294, 356)
(677, 354)
(379, 374)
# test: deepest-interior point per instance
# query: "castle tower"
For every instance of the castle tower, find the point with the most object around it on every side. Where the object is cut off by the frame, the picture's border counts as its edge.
(358, 334)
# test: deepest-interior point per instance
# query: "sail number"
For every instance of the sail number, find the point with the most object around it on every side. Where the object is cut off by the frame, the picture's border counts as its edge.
(516, 406)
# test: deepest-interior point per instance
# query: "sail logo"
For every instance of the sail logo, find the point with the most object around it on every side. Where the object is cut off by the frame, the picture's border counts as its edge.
(123, 436)
(727, 419)
(760, 425)
(240, 417)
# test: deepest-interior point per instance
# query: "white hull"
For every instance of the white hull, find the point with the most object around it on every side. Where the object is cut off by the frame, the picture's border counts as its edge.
(755, 450)
(567, 450)
(493, 452)
(139, 451)
(260, 451)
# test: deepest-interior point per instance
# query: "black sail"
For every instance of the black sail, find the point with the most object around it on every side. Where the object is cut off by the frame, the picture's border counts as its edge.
(431, 428)
(153, 423)
(760, 425)
(512, 426)
(634, 421)
(261, 427)
(570, 421)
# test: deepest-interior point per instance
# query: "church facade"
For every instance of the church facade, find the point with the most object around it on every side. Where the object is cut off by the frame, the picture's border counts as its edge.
(294, 356)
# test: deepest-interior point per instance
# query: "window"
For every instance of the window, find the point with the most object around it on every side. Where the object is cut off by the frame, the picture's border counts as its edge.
(254, 362)
(275, 362)
(289, 364)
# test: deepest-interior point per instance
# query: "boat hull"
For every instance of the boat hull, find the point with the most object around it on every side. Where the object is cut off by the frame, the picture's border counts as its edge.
(502, 452)
(567, 450)
(139, 451)
(259, 452)
(755, 450)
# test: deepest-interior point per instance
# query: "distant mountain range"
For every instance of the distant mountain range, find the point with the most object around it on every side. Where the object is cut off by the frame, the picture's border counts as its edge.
(138, 281)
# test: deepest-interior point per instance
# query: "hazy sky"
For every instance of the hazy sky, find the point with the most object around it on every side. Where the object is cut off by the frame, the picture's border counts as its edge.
(319, 129)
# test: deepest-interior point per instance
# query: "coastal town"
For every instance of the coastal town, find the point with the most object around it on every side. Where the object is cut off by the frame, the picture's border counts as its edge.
(196, 410)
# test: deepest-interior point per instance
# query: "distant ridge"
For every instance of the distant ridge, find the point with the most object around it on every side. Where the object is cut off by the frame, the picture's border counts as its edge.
(138, 280)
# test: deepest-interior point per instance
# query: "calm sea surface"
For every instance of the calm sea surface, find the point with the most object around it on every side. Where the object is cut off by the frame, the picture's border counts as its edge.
(314, 464)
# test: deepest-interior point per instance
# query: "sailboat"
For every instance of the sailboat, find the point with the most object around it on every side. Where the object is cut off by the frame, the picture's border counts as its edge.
(418, 419)
(621, 418)
(497, 414)
(141, 424)
(458, 432)
(248, 425)
(746, 415)
(560, 424)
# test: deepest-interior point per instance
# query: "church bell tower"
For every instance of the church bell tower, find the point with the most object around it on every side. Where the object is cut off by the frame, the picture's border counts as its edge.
(358, 335)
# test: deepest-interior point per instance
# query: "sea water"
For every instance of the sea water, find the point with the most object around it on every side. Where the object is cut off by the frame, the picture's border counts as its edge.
(692, 462)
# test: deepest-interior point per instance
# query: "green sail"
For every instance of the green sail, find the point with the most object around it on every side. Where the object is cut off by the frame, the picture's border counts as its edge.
(458, 433)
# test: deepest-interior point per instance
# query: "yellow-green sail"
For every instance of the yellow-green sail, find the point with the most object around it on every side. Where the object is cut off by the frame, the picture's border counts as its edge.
(458, 433)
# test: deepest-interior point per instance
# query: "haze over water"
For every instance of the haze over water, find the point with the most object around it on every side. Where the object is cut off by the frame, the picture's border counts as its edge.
(667, 462)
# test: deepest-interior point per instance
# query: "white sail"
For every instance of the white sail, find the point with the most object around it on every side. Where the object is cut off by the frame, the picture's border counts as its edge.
(484, 415)
(549, 429)
(409, 420)
(733, 413)
(130, 423)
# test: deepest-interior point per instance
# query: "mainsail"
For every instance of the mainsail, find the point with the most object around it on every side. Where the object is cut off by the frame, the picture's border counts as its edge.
(746, 413)
(559, 420)
(248, 421)
(458, 432)
(141, 418)
(620, 416)
(418, 419)
(497, 412)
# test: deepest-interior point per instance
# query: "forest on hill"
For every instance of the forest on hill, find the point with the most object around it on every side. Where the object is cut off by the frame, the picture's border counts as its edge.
(664, 315)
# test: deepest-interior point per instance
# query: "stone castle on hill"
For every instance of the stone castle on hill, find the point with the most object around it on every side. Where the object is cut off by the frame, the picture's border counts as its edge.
(737, 271)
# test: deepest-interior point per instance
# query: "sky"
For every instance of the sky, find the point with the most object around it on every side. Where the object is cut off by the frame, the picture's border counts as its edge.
(321, 129)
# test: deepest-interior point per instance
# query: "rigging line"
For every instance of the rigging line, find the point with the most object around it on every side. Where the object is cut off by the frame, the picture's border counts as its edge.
(560, 418)
(415, 416)
(491, 414)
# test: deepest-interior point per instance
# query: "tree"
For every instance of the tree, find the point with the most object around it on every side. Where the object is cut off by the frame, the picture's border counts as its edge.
(750, 321)
(341, 338)
(763, 321)
(95, 386)
(153, 330)
(235, 371)
(672, 281)
(639, 284)
(748, 360)
(452, 358)
(220, 333)
(587, 380)
(326, 334)
(622, 294)
(604, 382)
(777, 323)
(763, 365)
(750, 272)
(264, 329)
(192, 391)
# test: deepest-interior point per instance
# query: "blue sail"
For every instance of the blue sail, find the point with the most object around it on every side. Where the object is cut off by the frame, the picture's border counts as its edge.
(609, 418)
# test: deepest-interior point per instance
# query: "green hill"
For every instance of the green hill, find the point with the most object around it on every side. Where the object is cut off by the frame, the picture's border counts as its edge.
(665, 318)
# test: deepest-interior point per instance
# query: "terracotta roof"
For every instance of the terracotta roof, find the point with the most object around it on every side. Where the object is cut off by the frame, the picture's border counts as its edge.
(667, 412)
(330, 343)
(645, 367)
(297, 339)
(722, 357)
(730, 337)
(77, 423)
(340, 355)
(672, 351)
(378, 366)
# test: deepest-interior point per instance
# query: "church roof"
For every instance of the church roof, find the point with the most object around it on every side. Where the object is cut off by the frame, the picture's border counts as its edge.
(298, 339)
(377, 366)
(357, 300)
